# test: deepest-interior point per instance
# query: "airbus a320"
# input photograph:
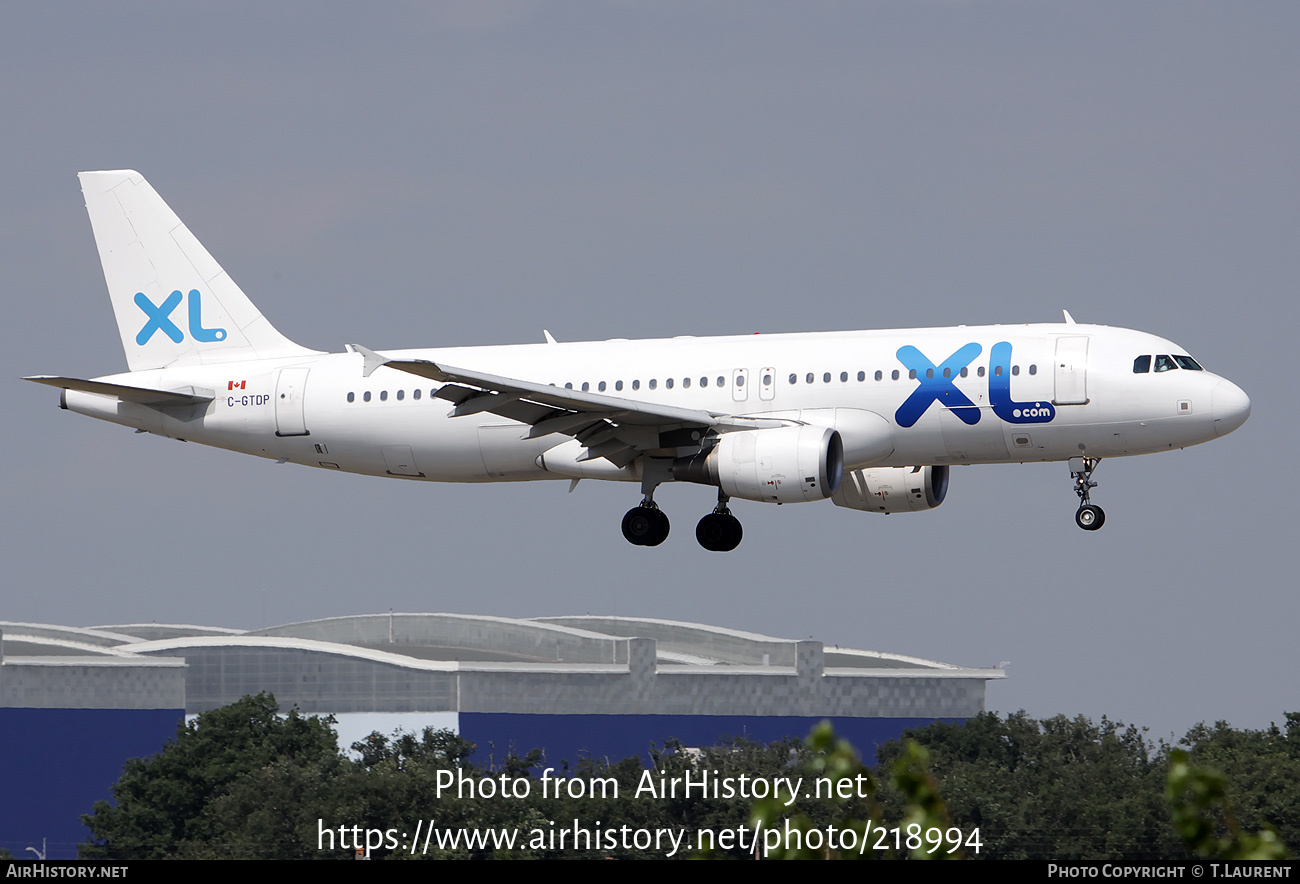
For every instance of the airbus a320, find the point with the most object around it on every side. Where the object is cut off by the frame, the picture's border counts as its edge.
(870, 420)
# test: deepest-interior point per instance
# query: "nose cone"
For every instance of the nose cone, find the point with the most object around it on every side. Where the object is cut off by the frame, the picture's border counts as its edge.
(1230, 405)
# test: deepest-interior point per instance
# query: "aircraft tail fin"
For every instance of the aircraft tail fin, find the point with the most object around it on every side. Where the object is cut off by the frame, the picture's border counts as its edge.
(173, 302)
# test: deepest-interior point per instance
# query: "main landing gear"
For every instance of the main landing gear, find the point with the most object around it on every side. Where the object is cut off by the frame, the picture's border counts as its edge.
(646, 525)
(719, 531)
(1089, 516)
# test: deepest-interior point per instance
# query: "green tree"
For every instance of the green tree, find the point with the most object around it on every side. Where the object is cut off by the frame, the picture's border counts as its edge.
(220, 767)
(1203, 816)
(396, 780)
(1061, 788)
(245, 781)
(1251, 778)
(864, 829)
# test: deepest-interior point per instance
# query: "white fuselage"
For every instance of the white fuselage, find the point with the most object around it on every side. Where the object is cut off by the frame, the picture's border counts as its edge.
(1066, 390)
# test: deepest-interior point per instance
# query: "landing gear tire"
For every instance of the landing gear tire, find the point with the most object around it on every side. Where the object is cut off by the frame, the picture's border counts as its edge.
(1090, 517)
(719, 532)
(645, 526)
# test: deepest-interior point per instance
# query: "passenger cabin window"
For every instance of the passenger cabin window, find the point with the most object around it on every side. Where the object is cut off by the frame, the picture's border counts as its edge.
(1142, 364)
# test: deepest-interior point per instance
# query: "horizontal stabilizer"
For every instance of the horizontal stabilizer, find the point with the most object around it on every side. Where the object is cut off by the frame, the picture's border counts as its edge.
(141, 395)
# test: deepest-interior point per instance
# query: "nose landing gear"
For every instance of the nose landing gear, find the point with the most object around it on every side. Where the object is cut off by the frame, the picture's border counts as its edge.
(1089, 516)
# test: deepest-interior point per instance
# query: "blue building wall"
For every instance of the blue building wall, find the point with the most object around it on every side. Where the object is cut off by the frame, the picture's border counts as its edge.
(56, 763)
(570, 737)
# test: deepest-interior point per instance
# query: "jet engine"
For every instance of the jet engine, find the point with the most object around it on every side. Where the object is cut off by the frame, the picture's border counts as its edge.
(777, 465)
(893, 489)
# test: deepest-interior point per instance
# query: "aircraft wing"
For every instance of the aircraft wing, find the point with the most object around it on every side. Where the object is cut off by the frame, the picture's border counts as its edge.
(613, 427)
(141, 395)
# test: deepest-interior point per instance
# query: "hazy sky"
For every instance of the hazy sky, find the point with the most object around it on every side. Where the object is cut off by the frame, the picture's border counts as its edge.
(411, 174)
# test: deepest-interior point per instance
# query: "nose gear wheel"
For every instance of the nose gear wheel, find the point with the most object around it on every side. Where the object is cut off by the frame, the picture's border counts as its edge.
(1089, 516)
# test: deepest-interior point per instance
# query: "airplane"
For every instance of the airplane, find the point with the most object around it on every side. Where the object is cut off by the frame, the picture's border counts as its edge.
(871, 420)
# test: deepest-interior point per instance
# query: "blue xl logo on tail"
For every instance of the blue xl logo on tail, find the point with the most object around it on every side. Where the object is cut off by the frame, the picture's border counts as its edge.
(160, 319)
(936, 385)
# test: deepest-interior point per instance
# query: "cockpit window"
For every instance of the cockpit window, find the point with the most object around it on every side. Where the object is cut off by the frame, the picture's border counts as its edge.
(1165, 363)
(1188, 363)
(1142, 364)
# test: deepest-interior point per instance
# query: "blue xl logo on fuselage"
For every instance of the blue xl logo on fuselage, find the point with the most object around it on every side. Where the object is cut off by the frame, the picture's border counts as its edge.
(935, 384)
(1000, 392)
(160, 319)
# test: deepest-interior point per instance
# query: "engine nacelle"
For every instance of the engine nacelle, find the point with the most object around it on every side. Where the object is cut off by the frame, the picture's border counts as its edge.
(893, 489)
(778, 465)
(867, 437)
